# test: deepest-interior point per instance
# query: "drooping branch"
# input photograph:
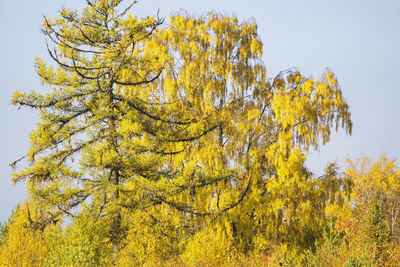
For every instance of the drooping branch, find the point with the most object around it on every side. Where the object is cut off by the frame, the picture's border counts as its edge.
(187, 209)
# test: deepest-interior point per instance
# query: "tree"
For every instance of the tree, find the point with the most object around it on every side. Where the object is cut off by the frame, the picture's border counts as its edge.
(178, 125)
(241, 169)
(81, 117)
(375, 198)
(82, 243)
(23, 244)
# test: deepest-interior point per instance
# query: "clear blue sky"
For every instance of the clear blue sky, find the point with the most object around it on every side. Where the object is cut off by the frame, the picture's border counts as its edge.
(358, 39)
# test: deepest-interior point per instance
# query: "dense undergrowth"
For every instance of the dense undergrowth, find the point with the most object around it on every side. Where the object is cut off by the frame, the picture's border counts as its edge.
(364, 231)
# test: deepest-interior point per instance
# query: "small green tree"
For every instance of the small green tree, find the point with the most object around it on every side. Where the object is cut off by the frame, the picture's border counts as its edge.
(376, 227)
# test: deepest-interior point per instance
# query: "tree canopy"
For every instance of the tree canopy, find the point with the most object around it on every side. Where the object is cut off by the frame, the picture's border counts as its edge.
(172, 139)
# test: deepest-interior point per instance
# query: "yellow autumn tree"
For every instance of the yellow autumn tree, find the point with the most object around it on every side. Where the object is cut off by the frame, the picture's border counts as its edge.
(24, 243)
(81, 118)
(365, 231)
(179, 136)
(375, 198)
(236, 158)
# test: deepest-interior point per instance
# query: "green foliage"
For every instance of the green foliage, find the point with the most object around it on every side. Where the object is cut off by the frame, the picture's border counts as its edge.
(335, 250)
(376, 229)
(362, 261)
(329, 250)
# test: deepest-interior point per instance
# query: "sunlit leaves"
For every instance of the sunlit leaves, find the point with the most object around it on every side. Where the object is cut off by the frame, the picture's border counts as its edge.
(176, 134)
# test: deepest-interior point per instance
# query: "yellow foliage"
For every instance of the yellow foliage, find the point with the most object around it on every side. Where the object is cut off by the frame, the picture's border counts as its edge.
(376, 197)
(24, 244)
(184, 145)
(209, 247)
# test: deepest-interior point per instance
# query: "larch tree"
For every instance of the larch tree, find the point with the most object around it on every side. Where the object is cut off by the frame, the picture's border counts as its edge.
(81, 117)
(178, 128)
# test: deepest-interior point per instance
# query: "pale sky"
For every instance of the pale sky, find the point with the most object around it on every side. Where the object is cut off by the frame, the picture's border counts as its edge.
(358, 39)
